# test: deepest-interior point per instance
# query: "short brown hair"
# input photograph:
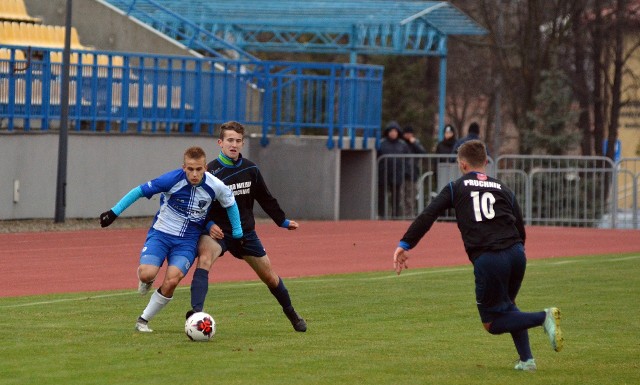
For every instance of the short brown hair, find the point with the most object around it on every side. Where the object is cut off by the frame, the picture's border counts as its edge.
(231, 126)
(473, 152)
(195, 152)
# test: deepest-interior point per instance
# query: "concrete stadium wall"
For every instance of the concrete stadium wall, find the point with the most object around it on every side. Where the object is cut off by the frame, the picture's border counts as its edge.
(111, 31)
(312, 182)
(309, 180)
(100, 170)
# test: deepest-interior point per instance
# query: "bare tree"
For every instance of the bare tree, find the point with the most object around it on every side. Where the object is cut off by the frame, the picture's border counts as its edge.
(580, 82)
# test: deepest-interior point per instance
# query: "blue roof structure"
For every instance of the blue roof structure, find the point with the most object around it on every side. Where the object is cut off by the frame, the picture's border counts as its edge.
(355, 26)
(373, 27)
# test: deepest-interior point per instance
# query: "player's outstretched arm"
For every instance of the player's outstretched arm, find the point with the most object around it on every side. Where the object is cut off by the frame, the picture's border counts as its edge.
(107, 217)
(400, 257)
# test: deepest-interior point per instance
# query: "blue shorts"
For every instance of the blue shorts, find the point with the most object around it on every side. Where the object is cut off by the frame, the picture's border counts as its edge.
(498, 276)
(178, 251)
(249, 245)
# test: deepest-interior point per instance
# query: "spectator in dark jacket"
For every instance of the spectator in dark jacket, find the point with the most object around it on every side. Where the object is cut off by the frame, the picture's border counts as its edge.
(412, 172)
(391, 170)
(445, 147)
(474, 133)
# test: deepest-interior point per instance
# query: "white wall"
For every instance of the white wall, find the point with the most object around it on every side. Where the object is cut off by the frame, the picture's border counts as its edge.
(301, 173)
(112, 31)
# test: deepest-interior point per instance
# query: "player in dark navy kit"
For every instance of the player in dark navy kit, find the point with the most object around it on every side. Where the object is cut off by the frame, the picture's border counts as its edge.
(186, 195)
(246, 182)
(490, 222)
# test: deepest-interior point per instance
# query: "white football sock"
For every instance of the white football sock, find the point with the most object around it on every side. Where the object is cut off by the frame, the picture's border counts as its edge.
(156, 303)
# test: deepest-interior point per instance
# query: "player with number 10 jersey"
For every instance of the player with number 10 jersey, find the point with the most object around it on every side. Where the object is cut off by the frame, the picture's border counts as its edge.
(487, 212)
(492, 229)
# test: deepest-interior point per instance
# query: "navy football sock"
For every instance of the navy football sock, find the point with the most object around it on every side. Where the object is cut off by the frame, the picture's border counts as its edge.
(199, 288)
(514, 321)
(521, 340)
(282, 294)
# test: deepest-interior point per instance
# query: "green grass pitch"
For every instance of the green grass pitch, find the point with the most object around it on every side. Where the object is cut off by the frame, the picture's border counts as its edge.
(376, 328)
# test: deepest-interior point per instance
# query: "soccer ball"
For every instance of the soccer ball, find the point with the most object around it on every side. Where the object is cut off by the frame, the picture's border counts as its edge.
(200, 327)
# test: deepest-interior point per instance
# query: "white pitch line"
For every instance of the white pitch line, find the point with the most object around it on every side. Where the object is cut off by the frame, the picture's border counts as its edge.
(588, 260)
(625, 258)
(421, 272)
(66, 300)
(312, 280)
(100, 296)
(563, 262)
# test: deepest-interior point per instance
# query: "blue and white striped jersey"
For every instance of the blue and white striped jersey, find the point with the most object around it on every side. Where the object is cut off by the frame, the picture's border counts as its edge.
(183, 207)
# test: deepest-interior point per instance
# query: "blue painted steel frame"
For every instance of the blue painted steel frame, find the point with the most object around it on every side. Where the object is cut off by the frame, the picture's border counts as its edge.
(349, 27)
(141, 93)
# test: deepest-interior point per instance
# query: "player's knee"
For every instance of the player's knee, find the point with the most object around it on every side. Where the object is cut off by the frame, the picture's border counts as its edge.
(267, 276)
(487, 326)
(205, 260)
(170, 284)
(146, 275)
(208, 251)
(271, 279)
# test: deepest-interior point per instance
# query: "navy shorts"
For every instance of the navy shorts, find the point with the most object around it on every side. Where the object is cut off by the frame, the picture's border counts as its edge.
(249, 245)
(498, 276)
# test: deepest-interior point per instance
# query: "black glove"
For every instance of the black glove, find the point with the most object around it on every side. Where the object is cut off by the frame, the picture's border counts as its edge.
(107, 218)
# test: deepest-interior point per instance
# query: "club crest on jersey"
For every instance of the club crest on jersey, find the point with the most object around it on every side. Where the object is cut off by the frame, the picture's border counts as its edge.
(481, 176)
(202, 203)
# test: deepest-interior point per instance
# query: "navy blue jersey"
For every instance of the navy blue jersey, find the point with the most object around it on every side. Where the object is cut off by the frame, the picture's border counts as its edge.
(245, 180)
(488, 215)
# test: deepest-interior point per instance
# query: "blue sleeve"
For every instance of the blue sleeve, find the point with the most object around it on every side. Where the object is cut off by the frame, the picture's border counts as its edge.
(234, 218)
(127, 200)
(285, 224)
(404, 245)
(163, 183)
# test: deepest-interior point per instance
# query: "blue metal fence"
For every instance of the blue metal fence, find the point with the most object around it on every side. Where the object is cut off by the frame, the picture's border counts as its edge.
(135, 93)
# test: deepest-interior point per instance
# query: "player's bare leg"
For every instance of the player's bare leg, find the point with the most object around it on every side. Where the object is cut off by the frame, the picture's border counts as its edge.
(262, 267)
(160, 298)
(146, 275)
(209, 251)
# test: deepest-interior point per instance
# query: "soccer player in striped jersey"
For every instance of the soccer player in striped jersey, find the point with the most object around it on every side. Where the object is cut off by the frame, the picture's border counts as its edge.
(246, 182)
(186, 195)
(490, 222)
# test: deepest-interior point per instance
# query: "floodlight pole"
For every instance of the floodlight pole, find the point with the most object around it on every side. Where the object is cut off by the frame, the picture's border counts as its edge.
(61, 184)
(442, 95)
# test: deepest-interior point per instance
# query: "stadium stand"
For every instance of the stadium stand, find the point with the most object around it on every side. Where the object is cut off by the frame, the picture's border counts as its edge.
(87, 61)
(15, 10)
(5, 59)
(37, 35)
(132, 91)
(18, 28)
(36, 90)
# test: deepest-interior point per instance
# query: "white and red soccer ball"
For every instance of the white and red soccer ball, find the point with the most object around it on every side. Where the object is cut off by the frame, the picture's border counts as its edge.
(200, 327)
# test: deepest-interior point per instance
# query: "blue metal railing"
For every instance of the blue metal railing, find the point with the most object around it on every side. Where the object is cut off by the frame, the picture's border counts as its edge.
(135, 93)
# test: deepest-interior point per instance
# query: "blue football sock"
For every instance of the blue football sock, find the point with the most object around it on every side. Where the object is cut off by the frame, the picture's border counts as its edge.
(282, 294)
(521, 340)
(199, 289)
(514, 321)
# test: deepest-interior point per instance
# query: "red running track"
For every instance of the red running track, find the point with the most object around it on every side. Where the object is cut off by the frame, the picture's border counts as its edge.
(106, 259)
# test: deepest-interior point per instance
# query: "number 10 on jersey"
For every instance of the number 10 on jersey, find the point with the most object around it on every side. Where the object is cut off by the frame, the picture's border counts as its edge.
(483, 205)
